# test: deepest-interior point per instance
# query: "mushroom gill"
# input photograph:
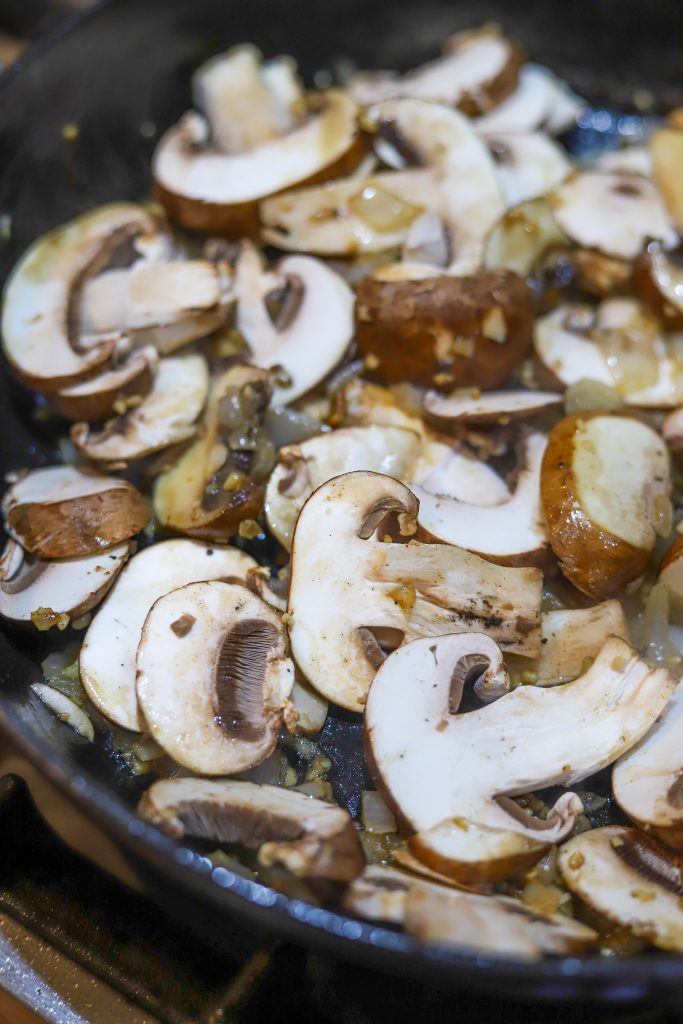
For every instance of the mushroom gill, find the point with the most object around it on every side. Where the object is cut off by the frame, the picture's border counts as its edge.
(240, 675)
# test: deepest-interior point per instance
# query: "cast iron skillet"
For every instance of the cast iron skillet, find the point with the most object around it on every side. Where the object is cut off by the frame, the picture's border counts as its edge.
(121, 74)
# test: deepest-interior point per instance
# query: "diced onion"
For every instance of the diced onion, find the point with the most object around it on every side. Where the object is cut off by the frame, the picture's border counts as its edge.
(375, 814)
(65, 710)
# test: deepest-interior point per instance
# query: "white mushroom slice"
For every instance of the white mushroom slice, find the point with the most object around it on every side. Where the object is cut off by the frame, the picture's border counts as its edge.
(352, 592)
(646, 781)
(672, 429)
(527, 166)
(213, 677)
(541, 102)
(658, 280)
(65, 709)
(493, 924)
(476, 408)
(40, 329)
(209, 189)
(259, 582)
(477, 70)
(107, 658)
(528, 739)
(166, 416)
(672, 563)
(621, 874)
(380, 893)
(513, 530)
(53, 593)
(314, 840)
(571, 637)
(405, 860)
(442, 470)
(472, 853)
(94, 399)
(163, 304)
(629, 160)
(346, 218)
(612, 212)
(522, 238)
(64, 512)
(313, 329)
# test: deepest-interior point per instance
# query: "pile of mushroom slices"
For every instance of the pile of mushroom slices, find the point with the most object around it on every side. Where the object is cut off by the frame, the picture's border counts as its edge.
(407, 415)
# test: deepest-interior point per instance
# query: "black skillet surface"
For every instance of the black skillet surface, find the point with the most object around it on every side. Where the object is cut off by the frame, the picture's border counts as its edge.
(122, 75)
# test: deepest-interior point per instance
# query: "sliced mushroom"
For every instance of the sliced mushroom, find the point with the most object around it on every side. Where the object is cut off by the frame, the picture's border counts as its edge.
(672, 430)
(541, 102)
(40, 321)
(314, 840)
(445, 331)
(478, 408)
(54, 593)
(478, 70)
(472, 853)
(612, 212)
(352, 591)
(311, 709)
(211, 171)
(671, 574)
(213, 677)
(166, 416)
(414, 735)
(604, 479)
(64, 512)
(666, 152)
(493, 924)
(632, 159)
(648, 780)
(623, 875)
(312, 329)
(571, 639)
(527, 165)
(219, 481)
(260, 583)
(511, 532)
(98, 397)
(405, 860)
(107, 658)
(523, 237)
(658, 281)
(380, 893)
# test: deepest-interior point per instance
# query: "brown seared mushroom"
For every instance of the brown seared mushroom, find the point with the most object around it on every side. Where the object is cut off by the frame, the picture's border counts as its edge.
(314, 840)
(474, 854)
(213, 677)
(658, 281)
(97, 398)
(220, 480)
(65, 512)
(478, 408)
(666, 152)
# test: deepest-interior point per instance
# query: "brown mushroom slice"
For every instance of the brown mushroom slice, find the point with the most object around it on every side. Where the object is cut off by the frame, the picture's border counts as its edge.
(445, 331)
(623, 875)
(355, 587)
(527, 165)
(40, 322)
(312, 329)
(493, 924)
(166, 416)
(604, 480)
(219, 481)
(316, 841)
(107, 658)
(474, 854)
(511, 532)
(478, 70)
(380, 893)
(571, 638)
(213, 677)
(612, 212)
(64, 512)
(53, 593)
(260, 582)
(672, 430)
(541, 102)
(647, 781)
(658, 281)
(523, 237)
(666, 152)
(476, 408)
(94, 399)
(349, 217)
(413, 735)
(208, 187)
(165, 304)
(671, 573)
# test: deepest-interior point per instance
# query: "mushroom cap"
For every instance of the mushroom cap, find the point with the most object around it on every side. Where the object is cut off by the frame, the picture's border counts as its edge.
(71, 586)
(66, 512)
(312, 839)
(213, 676)
(414, 735)
(472, 853)
(346, 582)
(94, 399)
(107, 658)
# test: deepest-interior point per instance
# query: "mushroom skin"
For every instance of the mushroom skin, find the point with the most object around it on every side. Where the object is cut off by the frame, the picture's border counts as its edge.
(445, 331)
(413, 735)
(474, 854)
(600, 480)
(475, 408)
(658, 282)
(65, 512)
(94, 399)
(213, 658)
(670, 574)
(626, 877)
(314, 840)
(352, 591)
